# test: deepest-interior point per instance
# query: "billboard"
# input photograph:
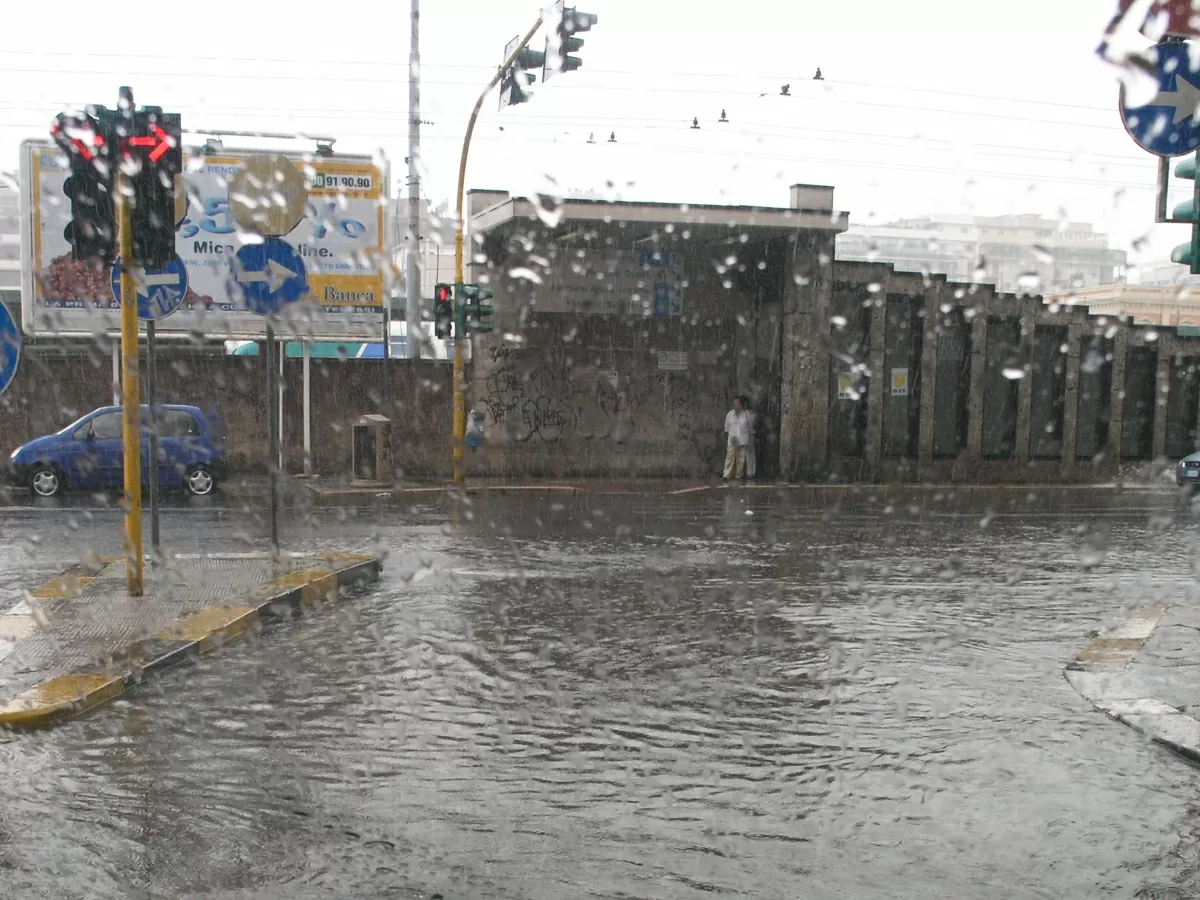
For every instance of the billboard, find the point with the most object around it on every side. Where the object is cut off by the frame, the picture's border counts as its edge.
(340, 243)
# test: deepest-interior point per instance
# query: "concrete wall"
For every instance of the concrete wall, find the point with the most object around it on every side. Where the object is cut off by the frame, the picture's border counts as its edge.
(594, 394)
(1005, 388)
(50, 391)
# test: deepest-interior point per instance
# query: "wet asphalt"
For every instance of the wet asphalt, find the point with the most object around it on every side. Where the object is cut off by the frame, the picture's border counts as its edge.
(727, 693)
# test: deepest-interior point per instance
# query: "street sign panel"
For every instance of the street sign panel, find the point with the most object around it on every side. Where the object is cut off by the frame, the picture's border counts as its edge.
(270, 275)
(1168, 125)
(159, 293)
(268, 195)
(10, 348)
(340, 238)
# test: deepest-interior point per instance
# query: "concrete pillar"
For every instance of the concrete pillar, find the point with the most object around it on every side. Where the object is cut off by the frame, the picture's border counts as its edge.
(880, 379)
(929, 345)
(975, 405)
(804, 369)
(1025, 388)
(1162, 389)
(1116, 415)
(1071, 399)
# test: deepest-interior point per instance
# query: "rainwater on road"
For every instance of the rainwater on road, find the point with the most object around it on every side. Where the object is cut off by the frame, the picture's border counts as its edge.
(719, 694)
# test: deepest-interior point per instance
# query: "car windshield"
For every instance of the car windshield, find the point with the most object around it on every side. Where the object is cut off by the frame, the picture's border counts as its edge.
(600, 448)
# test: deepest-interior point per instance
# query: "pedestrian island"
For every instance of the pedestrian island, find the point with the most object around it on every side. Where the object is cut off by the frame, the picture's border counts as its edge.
(80, 640)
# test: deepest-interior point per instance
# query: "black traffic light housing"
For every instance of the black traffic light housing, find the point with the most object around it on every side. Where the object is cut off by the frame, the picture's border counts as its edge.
(515, 81)
(89, 140)
(152, 153)
(561, 41)
(477, 315)
(443, 311)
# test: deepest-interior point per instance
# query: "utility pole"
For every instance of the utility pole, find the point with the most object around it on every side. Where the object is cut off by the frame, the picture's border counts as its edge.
(412, 278)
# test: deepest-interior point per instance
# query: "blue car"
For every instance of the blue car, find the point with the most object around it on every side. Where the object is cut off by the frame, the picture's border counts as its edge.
(89, 453)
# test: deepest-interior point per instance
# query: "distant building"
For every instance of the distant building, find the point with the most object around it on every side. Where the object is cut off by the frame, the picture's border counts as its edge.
(1018, 254)
(1171, 305)
(435, 244)
(10, 244)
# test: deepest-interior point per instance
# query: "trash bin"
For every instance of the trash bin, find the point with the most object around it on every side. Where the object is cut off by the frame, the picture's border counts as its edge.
(369, 457)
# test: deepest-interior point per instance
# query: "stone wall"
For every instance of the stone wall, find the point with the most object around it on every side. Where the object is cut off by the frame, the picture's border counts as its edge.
(51, 390)
(613, 395)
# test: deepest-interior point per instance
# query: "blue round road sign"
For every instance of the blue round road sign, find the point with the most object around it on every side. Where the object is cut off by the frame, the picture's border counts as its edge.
(159, 293)
(1168, 124)
(270, 275)
(10, 348)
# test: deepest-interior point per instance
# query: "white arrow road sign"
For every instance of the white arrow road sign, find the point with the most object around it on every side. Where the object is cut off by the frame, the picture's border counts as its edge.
(162, 279)
(275, 275)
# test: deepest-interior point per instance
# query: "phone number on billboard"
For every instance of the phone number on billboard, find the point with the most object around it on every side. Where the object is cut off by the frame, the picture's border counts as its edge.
(331, 181)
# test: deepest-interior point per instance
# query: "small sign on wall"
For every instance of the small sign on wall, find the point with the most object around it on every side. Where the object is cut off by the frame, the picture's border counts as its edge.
(672, 360)
(846, 389)
(899, 382)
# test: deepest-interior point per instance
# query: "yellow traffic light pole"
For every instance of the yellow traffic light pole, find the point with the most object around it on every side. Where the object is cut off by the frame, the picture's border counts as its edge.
(460, 381)
(130, 401)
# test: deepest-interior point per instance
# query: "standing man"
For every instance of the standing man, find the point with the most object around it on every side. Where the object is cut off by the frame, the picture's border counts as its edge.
(737, 426)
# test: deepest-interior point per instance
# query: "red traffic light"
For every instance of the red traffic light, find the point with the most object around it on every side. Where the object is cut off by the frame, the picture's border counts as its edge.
(444, 293)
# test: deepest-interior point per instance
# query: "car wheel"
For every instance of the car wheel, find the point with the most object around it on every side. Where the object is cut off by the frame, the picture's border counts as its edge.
(46, 481)
(199, 481)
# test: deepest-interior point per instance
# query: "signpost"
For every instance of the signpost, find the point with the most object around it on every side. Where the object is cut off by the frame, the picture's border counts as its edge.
(269, 275)
(10, 348)
(159, 293)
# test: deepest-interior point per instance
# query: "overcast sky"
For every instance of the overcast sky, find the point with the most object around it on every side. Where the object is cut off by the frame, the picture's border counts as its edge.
(928, 106)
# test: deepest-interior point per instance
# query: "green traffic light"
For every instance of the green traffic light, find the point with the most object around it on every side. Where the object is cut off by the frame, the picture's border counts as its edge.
(1186, 168)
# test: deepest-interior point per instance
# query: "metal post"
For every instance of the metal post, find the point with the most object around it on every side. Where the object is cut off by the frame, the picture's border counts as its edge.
(152, 400)
(412, 287)
(131, 430)
(279, 409)
(308, 408)
(116, 373)
(273, 435)
(460, 382)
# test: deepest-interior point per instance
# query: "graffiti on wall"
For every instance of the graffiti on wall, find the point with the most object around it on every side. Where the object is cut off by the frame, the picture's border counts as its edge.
(552, 400)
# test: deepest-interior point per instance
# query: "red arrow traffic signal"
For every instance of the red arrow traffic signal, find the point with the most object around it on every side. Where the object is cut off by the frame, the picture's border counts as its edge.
(160, 141)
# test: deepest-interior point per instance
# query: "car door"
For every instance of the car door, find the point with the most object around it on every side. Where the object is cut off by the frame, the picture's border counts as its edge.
(176, 429)
(101, 458)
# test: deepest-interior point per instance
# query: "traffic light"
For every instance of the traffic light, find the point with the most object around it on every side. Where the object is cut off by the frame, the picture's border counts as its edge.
(443, 310)
(478, 315)
(1189, 211)
(561, 41)
(152, 153)
(88, 140)
(515, 81)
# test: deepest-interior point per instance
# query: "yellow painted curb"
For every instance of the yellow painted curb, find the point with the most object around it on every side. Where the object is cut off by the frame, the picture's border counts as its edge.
(212, 625)
(58, 698)
(200, 632)
(315, 584)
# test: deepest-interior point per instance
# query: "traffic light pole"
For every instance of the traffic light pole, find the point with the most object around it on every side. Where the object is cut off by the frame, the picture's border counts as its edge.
(460, 382)
(130, 403)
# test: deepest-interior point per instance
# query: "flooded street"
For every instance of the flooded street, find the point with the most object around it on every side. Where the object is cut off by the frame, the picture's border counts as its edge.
(723, 693)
